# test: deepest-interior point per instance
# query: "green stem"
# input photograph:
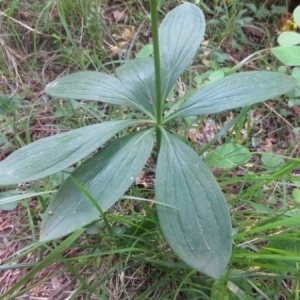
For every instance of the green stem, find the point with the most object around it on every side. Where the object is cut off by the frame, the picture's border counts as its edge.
(159, 106)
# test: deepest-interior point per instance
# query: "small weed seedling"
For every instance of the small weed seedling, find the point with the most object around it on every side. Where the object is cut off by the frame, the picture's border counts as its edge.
(191, 208)
(289, 50)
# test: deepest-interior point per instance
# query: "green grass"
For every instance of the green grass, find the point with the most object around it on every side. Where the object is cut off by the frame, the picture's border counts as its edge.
(125, 255)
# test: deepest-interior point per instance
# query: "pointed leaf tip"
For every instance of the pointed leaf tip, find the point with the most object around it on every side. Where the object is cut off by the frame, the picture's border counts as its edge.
(55, 153)
(192, 210)
(237, 90)
(95, 86)
(180, 35)
(106, 176)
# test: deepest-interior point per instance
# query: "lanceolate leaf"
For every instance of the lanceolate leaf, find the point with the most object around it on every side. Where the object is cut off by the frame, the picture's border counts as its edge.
(138, 76)
(106, 176)
(180, 35)
(237, 90)
(196, 222)
(55, 153)
(92, 85)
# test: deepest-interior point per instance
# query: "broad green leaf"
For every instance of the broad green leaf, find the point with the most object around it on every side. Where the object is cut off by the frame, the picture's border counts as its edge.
(196, 222)
(55, 153)
(146, 51)
(96, 86)
(296, 15)
(296, 75)
(228, 156)
(237, 90)
(180, 35)
(9, 206)
(289, 38)
(271, 160)
(289, 56)
(216, 75)
(106, 176)
(138, 76)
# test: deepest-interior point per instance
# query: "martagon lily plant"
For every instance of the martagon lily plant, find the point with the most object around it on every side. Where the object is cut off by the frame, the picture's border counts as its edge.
(192, 210)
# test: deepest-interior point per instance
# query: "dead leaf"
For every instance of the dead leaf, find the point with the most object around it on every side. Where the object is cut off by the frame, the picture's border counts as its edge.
(194, 135)
(123, 40)
(287, 23)
(122, 45)
(55, 283)
(142, 179)
(119, 16)
(128, 34)
(268, 146)
(253, 30)
(114, 50)
(296, 110)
